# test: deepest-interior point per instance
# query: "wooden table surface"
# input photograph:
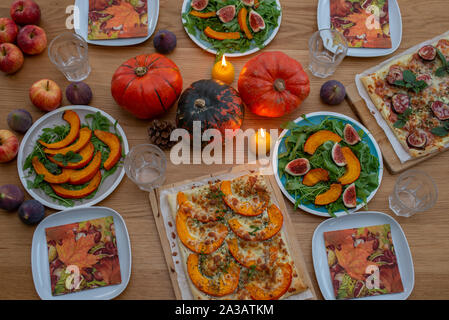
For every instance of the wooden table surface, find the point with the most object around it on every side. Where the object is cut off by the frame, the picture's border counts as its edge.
(427, 232)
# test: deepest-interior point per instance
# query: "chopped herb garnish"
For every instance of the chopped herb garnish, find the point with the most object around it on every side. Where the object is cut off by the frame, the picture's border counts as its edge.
(444, 69)
(410, 82)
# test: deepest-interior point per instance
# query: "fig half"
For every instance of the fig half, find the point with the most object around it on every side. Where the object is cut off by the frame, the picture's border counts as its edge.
(298, 167)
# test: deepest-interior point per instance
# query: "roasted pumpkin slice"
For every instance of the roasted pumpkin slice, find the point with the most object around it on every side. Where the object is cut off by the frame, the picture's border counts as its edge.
(83, 140)
(72, 118)
(114, 145)
(205, 206)
(84, 175)
(242, 18)
(207, 237)
(314, 176)
(353, 167)
(78, 194)
(253, 233)
(211, 33)
(246, 188)
(253, 255)
(225, 284)
(86, 153)
(271, 285)
(318, 138)
(48, 176)
(203, 15)
(329, 196)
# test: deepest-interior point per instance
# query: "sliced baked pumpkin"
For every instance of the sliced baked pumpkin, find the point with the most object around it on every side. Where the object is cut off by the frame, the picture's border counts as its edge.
(314, 176)
(242, 18)
(353, 167)
(83, 140)
(271, 285)
(39, 167)
(86, 153)
(211, 33)
(78, 194)
(331, 195)
(253, 254)
(226, 283)
(72, 118)
(318, 138)
(203, 15)
(245, 187)
(207, 238)
(84, 175)
(114, 145)
(254, 233)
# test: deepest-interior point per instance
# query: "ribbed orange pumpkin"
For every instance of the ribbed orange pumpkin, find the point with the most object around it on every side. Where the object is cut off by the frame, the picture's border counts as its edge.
(273, 84)
(147, 85)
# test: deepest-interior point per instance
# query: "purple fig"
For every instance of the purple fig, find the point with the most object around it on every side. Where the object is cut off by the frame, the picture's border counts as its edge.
(31, 212)
(11, 197)
(164, 41)
(79, 93)
(333, 92)
(20, 120)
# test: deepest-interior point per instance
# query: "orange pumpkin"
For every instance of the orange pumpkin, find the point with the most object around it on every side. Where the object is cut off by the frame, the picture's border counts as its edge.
(330, 195)
(113, 143)
(314, 176)
(318, 138)
(147, 85)
(273, 84)
(82, 176)
(72, 118)
(282, 280)
(353, 167)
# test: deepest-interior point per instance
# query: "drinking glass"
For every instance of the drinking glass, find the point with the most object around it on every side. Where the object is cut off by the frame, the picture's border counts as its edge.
(413, 192)
(69, 53)
(327, 48)
(145, 165)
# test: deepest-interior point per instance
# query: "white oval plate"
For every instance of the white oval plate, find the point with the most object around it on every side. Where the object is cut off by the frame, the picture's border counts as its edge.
(81, 19)
(369, 139)
(324, 22)
(206, 45)
(39, 254)
(363, 219)
(49, 121)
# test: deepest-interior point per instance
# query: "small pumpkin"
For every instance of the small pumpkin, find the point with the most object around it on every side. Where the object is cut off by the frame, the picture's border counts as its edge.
(242, 208)
(212, 102)
(82, 176)
(113, 143)
(314, 176)
(39, 167)
(78, 194)
(72, 118)
(318, 138)
(147, 85)
(83, 140)
(329, 196)
(353, 167)
(273, 84)
(86, 153)
(281, 279)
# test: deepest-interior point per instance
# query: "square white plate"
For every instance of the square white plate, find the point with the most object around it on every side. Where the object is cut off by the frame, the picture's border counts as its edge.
(39, 254)
(81, 18)
(357, 220)
(324, 22)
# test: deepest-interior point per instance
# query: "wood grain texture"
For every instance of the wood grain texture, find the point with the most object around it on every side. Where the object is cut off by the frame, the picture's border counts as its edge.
(426, 232)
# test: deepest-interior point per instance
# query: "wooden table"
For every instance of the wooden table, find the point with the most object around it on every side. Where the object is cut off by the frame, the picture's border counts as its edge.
(426, 232)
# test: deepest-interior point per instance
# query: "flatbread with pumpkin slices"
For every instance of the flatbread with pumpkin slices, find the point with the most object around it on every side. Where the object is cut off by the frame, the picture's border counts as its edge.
(232, 241)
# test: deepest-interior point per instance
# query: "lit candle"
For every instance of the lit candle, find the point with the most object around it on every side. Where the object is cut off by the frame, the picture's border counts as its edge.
(260, 138)
(224, 71)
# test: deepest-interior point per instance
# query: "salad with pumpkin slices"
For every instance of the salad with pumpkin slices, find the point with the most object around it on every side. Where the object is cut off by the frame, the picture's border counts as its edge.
(328, 165)
(232, 25)
(69, 162)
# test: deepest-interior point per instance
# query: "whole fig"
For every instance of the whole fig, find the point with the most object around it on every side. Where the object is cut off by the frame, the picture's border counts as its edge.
(11, 197)
(20, 120)
(164, 41)
(333, 92)
(79, 93)
(31, 212)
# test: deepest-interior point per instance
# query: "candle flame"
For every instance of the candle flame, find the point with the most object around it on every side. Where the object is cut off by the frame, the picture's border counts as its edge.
(223, 61)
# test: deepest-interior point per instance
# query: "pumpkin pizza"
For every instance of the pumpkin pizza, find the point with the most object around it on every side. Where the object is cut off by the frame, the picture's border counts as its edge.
(411, 93)
(232, 241)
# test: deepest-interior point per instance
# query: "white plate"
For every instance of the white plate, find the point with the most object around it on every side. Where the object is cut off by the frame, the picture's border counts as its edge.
(206, 45)
(39, 254)
(324, 22)
(81, 18)
(317, 117)
(363, 219)
(48, 121)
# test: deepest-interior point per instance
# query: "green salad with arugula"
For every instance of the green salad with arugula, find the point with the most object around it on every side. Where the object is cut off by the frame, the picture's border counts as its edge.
(95, 121)
(367, 182)
(267, 9)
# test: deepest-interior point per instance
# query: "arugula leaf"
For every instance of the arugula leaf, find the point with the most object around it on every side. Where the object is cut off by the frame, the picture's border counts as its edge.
(409, 82)
(444, 69)
(69, 157)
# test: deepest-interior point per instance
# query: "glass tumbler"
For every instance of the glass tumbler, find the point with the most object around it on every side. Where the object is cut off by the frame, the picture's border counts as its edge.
(414, 191)
(145, 165)
(327, 49)
(69, 53)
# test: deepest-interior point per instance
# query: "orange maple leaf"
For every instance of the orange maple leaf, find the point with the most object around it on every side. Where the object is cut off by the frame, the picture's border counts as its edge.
(60, 232)
(110, 270)
(124, 15)
(355, 260)
(77, 252)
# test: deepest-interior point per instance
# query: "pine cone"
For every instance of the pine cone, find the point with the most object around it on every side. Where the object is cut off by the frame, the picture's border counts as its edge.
(159, 132)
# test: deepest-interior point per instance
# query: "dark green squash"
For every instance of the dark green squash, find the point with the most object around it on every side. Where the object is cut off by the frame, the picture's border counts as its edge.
(214, 103)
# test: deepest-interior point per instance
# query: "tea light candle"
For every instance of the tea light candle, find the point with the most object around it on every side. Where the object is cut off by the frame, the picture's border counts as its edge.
(224, 71)
(260, 138)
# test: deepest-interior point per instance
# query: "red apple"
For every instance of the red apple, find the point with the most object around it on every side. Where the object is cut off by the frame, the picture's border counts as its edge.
(46, 95)
(9, 146)
(32, 39)
(8, 30)
(25, 12)
(11, 58)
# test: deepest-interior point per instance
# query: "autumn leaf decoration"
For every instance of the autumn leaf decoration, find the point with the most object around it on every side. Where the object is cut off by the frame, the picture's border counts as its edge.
(124, 17)
(77, 252)
(110, 270)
